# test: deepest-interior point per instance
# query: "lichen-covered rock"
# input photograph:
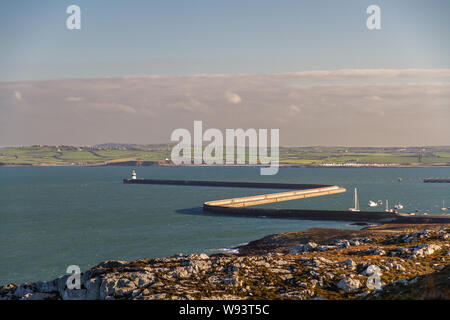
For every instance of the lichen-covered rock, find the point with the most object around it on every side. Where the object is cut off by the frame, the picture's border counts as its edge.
(395, 266)
(116, 284)
(375, 252)
(93, 288)
(316, 273)
(310, 246)
(422, 250)
(349, 284)
(74, 294)
(372, 269)
(39, 296)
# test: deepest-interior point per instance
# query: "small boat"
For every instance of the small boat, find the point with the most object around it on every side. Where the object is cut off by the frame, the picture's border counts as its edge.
(398, 206)
(380, 202)
(443, 206)
(373, 203)
(356, 208)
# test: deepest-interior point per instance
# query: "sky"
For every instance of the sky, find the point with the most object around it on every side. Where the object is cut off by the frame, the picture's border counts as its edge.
(137, 70)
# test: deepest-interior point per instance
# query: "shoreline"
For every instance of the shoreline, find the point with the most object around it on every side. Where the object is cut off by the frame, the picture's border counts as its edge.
(314, 264)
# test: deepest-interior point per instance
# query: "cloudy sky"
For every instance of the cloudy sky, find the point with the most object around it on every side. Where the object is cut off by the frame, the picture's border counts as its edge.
(138, 70)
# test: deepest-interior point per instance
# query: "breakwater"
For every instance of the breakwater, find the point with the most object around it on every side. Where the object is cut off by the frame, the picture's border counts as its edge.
(436, 180)
(231, 184)
(239, 206)
(328, 215)
(274, 197)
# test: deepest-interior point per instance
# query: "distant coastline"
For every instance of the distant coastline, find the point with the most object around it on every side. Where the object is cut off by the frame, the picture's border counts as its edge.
(160, 155)
(119, 164)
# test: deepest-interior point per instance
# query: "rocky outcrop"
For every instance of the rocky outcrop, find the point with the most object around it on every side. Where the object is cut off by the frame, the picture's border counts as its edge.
(353, 268)
(349, 284)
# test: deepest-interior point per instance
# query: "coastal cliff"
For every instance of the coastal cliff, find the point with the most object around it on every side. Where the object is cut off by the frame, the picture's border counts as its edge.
(409, 262)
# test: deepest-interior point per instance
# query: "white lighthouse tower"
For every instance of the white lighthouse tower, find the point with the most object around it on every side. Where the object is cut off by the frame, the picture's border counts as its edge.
(133, 175)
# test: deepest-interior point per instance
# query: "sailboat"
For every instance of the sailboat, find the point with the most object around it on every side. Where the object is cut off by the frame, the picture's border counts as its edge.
(373, 203)
(356, 208)
(387, 207)
(443, 206)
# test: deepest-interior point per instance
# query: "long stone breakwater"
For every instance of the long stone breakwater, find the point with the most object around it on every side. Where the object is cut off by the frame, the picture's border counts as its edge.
(238, 206)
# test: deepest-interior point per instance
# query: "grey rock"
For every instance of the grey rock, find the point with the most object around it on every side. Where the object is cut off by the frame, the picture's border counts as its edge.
(203, 256)
(349, 263)
(329, 275)
(74, 294)
(310, 246)
(93, 288)
(142, 279)
(23, 290)
(313, 283)
(180, 273)
(61, 284)
(232, 280)
(343, 244)
(46, 287)
(376, 252)
(39, 296)
(324, 260)
(403, 282)
(349, 285)
(422, 250)
(395, 266)
(372, 269)
(114, 284)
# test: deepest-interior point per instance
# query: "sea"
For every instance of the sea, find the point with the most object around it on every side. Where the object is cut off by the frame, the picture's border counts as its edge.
(54, 217)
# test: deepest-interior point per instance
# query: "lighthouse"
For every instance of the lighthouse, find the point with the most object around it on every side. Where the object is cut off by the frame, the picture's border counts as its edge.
(133, 175)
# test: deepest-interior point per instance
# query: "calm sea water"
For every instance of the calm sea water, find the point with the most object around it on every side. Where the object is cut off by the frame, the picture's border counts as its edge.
(51, 218)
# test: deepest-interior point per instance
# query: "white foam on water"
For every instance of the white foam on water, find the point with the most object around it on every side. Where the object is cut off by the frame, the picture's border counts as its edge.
(228, 250)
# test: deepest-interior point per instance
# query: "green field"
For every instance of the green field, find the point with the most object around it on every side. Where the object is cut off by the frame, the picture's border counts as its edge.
(157, 155)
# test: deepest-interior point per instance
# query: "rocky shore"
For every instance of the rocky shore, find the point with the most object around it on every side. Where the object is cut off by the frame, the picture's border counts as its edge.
(383, 262)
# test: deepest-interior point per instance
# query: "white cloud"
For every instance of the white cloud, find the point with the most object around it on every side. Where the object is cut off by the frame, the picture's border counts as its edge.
(18, 95)
(369, 73)
(318, 107)
(75, 99)
(112, 107)
(293, 109)
(233, 97)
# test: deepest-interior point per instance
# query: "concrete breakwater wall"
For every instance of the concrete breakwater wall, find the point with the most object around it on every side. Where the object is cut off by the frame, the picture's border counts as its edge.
(232, 184)
(326, 215)
(331, 215)
(239, 206)
(274, 197)
(436, 180)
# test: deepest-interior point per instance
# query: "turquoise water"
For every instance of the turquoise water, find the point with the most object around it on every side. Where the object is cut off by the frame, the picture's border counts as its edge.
(54, 217)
